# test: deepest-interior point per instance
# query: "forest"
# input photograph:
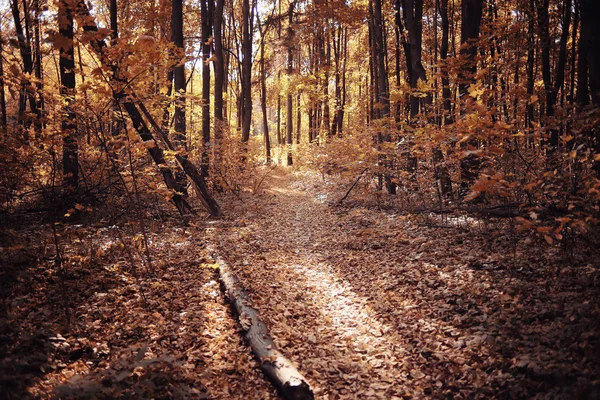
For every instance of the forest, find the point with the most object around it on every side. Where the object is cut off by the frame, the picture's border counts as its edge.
(299, 199)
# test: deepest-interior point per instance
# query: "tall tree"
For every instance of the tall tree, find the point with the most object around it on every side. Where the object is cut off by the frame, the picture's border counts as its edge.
(471, 13)
(413, 16)
(67, 90)
(470, 16)
(3, 119)
(246, 83)
(27, 91)
(219, 67)
(290, 69)
(179, 138)
(206, 9)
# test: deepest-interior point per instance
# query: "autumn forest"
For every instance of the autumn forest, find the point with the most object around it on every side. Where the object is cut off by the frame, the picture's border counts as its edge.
(299, 199)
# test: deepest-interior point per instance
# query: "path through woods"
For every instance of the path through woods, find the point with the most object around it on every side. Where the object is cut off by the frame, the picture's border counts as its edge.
(371, 304)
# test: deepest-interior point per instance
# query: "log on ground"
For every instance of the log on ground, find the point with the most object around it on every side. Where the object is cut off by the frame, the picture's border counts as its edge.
(280, 371)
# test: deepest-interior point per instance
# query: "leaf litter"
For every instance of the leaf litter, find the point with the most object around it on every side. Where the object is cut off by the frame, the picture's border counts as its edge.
(373, 304)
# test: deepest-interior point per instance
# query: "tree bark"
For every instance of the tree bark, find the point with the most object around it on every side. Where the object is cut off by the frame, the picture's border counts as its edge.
(67, 90)
(280, 371)
(91, 35)
(471, 13)
(247, 32)
(179, 138)
(3, 119)
(206, 9)
(290, 69)
(263, 92)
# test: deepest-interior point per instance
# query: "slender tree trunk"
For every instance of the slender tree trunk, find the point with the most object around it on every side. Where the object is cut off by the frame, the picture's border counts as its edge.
(413, 16)
(471, 13)
(38, 69)
(219, 66)
(206, 8)
(298, 117)
(27, 92)
(290, 69)
(179, 138)
(67, 90)
(590, 46)
(446, 94)
(263, 93)
(247, 31)
(3, 119)
(530, 62)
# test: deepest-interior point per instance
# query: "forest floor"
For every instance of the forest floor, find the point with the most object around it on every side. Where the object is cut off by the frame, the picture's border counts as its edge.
(368, 303)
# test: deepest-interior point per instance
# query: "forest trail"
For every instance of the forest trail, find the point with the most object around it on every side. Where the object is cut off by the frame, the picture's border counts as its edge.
(371, 304)
(314, 312)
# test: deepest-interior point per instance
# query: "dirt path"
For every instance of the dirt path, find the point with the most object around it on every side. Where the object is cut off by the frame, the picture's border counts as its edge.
(373, 305)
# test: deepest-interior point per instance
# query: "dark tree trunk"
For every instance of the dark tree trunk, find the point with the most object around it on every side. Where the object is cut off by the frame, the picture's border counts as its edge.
(90, 35)
(590, 38)
(219, 66)
(179, 138)
(381, 93)
(290, 69)
(590, 56)
(3, 120)
(263, 93)
(67, 90)
(247, 32)
(550, 88)
(27, 92)
(206, 9)
(446, 94)
(471, 13)
(530, 62)
(413, 16)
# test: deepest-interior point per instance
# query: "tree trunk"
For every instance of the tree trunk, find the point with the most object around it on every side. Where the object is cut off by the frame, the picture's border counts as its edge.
(263, 93)
(471, 13)
(179, 138)
(206, 9)
(219, 67)
(246, 103)
(446, 94)
(290, 69)
(27, 92)
(280, 371)
(67, 90)
(3, 119)
(90, 35)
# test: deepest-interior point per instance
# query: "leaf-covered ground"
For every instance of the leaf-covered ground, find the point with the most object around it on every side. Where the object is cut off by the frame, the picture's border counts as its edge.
(372, 304)
(159, 331)
(367, 303)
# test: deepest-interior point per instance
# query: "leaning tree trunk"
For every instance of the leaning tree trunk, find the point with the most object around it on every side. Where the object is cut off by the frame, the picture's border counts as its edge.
(90, 29)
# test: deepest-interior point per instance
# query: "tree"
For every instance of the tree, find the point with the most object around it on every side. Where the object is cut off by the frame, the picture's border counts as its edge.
(290, 70)
(246, 83)
(471, 12)
(67, 90)
(179, 138)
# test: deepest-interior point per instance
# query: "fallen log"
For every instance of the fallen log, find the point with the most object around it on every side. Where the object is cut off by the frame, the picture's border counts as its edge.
(280, 371)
